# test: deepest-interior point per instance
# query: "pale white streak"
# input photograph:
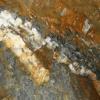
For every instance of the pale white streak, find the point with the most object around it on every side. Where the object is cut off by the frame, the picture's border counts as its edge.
(71, 67)
(18, 21)
(6, 18)
(18, 46)
(28, 24)
(51, 44)
(85, 71)
(63, 12)
(81, 70)
(33, 65)
(86, 26)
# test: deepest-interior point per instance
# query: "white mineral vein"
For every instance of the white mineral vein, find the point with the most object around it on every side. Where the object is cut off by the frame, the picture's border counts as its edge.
(18, 47)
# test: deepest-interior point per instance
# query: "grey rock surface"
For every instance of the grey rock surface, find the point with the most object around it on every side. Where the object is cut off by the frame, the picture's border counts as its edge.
(62, 85)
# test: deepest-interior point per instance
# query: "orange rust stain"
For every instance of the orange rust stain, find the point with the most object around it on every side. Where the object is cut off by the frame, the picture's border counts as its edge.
(95, 82)
(3, 93)
(74, 20)
(53, 20)
(45, 56)
(83, 87)
(86, 85)
(14, 5)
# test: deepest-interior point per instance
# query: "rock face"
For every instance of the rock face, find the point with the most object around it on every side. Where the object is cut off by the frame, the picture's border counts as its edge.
(39, 66)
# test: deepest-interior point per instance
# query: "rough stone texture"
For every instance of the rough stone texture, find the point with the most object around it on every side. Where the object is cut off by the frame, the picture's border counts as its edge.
(62, 85)
(15, 84)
